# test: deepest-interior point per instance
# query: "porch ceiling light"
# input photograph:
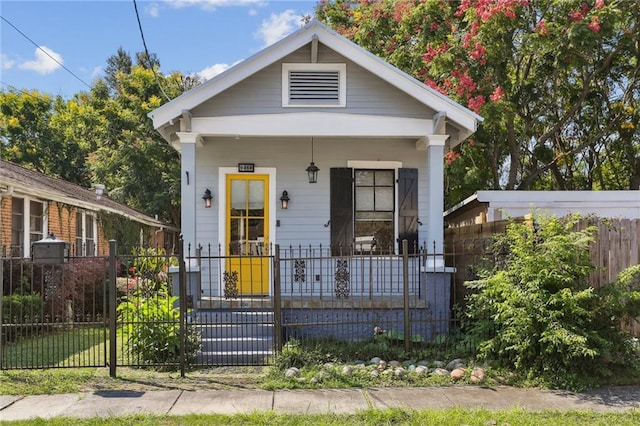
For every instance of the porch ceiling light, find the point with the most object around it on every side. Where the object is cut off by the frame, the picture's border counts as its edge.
(312, 170)
(284, 200)
(207, 197)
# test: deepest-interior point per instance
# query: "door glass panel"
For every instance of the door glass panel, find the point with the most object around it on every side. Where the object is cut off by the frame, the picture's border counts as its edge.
(238, 197)
(256, 197)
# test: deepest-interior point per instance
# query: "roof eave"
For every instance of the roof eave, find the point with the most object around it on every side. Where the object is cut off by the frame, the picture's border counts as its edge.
(464, 118)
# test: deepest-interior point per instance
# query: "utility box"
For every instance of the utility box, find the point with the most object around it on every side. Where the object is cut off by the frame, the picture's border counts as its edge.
(49, 251)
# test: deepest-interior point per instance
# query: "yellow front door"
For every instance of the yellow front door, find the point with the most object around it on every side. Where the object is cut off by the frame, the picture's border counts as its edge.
(248, 232)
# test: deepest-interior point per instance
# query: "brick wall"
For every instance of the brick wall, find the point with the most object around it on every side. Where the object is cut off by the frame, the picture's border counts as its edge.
(61, 219)
(5, 221)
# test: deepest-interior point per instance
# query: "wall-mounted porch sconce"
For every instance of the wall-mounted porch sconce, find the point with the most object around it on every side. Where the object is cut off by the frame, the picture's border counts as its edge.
(284, 200)
(312, 170)
(207, 197)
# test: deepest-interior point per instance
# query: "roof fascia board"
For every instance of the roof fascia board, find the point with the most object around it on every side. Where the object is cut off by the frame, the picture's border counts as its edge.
(316, 123)
(392, 75)
(229, 77)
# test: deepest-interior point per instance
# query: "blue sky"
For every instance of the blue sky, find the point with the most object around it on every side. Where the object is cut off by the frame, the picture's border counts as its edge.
(190, 36)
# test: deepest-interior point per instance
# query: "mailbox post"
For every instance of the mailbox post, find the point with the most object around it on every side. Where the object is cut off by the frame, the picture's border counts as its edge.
(49, 251)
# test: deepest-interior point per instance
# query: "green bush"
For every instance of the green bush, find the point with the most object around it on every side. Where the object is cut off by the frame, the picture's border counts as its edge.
(535, 313)
(23, 312)
(151, 328)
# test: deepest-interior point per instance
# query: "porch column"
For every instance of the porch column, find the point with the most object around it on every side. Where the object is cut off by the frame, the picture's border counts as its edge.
(188, 196)
(435, 192)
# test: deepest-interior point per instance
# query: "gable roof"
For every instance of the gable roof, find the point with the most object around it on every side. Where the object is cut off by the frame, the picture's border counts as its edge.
(20, 179)
(465, 119)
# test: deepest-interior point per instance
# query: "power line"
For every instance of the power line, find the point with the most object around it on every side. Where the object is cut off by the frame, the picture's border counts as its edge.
(146, 51)
(45, 52)
(24, 92)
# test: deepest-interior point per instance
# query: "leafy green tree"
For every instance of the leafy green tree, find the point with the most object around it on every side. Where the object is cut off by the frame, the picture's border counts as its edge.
(137, 166)
(536, 313)
(557, 82)
(118, 63)
(30, 137)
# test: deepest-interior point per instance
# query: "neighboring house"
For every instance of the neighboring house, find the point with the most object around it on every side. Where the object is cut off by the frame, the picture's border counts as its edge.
(33, 206)
(491, 206)
(251, 137)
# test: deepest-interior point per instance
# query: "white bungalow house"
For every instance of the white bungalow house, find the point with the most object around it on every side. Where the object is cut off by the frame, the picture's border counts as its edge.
(248, 137)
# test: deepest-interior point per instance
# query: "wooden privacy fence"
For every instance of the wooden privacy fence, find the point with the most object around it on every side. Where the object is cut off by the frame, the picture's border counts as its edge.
(615, 248)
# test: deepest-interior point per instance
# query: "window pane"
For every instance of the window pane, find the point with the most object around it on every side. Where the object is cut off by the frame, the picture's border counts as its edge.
(364, 177)
(364, 198)
(374, 216)
(384, 177)
(90, 240)
(36, 227)
(384, 199)
(90, 220)
(17, 226)
(381, 231)
(78, 233)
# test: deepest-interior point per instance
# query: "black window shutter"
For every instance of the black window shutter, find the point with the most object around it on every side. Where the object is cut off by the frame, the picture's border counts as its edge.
(408, 208)
(341, 210)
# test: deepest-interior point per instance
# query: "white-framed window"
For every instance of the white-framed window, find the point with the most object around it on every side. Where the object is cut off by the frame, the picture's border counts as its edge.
(36, 221)
(314, 85)
(28, 224)
(17, 227)
(86, 230)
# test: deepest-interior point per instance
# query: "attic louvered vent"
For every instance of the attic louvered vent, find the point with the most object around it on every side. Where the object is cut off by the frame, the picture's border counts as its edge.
(318, 85)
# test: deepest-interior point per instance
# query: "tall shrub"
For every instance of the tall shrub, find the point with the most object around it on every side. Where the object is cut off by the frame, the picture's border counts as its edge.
(151, 328)
(150, 314)
(536, 313)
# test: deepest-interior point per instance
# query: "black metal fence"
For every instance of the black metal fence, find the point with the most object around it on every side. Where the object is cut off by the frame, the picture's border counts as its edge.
(53, 315)
(204, 308)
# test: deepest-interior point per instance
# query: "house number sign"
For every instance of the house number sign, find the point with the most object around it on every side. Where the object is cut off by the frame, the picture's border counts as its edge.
(246, 167)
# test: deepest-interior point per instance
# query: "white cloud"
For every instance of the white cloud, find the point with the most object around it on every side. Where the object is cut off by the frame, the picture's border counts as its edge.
(278, 26)
(44, 63)
(253, 12)
(153, 9)
(214, 70)
(96, 72)
(6, 63)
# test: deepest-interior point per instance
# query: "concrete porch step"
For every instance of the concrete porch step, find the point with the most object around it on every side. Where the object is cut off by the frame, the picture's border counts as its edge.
(237, 344)
(235, 330)
(232, 317)
(225, 358)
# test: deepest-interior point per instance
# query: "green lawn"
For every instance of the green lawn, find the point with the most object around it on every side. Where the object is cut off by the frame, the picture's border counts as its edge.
(70, 347)
(444, 417)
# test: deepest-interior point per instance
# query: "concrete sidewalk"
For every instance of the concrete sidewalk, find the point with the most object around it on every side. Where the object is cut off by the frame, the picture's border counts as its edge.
(178, 402)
